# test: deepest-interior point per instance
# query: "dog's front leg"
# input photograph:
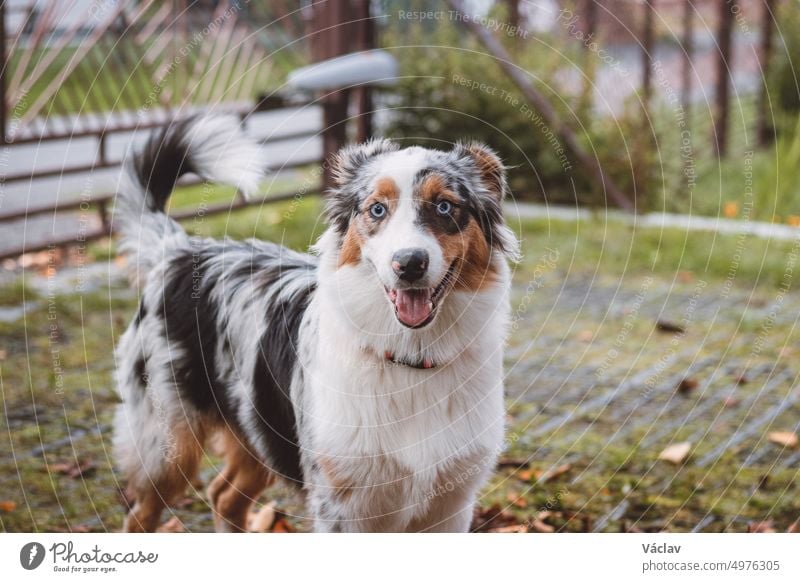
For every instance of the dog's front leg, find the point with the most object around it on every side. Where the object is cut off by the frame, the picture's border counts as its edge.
(450, 503)
(450, 512)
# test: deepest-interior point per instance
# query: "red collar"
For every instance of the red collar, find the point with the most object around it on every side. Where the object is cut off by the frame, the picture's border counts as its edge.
(424, 364)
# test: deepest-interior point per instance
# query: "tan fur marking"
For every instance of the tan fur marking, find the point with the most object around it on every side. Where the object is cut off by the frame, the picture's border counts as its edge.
(468, 248)
(475, 268)
(386, 191)
(339, 483)
(434, 188)
(350, 253)
(233, 492)
(151, 494)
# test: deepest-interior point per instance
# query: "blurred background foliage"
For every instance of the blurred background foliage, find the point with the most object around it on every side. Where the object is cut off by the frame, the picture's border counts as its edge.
(641, 148)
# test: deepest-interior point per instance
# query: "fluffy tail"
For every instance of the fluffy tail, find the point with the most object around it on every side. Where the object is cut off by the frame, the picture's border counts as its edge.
(213, 147)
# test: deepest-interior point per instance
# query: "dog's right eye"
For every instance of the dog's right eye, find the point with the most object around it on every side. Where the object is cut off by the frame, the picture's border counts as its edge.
(377, 210)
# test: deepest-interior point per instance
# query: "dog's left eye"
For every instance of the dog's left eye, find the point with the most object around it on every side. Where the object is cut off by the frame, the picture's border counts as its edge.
(444, 208)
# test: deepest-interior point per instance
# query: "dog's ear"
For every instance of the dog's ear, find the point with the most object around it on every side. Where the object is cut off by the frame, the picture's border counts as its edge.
(350, 181)
(350, 159)
(492, 175)
(491, 169)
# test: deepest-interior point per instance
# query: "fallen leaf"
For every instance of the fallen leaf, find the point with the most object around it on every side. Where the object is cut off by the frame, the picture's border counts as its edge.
(512, 463)
(795, 527)
(585, 336)
(687, 385)
(517, 500)
(262, 520)
(524, 475)
(490, 518)
(7, 506)
(282, 526)
(73, 469)
(185, 502)
(539, 526)
(669, 327)
(676, 454)
(521, 528)
(784, 438)
(555, 473)
(173, 525)
(685, 276)
(731, 402)
(760, 527)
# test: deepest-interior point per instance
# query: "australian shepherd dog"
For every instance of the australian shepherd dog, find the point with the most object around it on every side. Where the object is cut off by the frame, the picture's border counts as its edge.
(369, 373)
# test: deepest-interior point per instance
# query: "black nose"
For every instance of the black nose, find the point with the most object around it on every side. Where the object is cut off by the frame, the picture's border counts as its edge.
(410, 264)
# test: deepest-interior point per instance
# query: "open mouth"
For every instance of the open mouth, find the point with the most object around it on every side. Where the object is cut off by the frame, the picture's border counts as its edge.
(416, 308)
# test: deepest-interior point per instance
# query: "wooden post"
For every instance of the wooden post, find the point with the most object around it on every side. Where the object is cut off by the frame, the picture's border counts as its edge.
(589, 59)
(365, 40)
(4, 60)
(647, 53)
(513, 23)
(543, 107)
(766, 133)
(724, 64)
(687, 42)
(330, 40)
(513, 13)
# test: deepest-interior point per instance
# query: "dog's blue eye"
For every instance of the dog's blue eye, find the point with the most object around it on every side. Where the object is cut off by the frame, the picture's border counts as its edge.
(377, 210)
(444, 208)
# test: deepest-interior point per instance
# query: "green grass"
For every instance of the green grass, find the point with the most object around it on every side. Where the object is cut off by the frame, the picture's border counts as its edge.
(69, 407)
(760, 184)
(616, 248)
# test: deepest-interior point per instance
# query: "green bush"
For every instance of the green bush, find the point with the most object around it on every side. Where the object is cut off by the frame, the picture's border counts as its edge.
(451, 89)
(784, 81)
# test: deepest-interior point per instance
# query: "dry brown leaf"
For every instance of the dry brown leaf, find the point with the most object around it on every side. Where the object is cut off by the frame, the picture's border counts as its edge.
(521, 528)
(7, 506)
(795, 527)
(783, 438)
(282, 526)
(555, 473)
(539, 526)
(516, 500)
(760, 527)
(669, 327)
(507, 462)
(687, 385)
(73, 469)
(524, 475)
(676, 454)
(585, 336)
(173, 525)
(262, 520)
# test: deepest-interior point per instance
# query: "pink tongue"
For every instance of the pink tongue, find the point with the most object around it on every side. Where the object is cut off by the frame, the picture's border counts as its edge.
(413, 306)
